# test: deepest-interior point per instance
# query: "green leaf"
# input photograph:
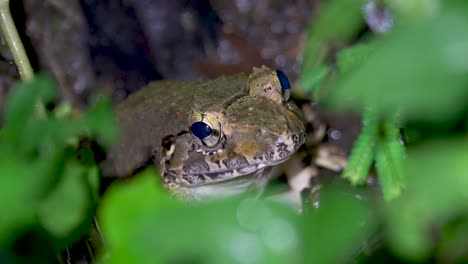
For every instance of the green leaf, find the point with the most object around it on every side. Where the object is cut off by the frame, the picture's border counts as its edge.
(454, 239)
(438, 173)
(338, 20)
(415, 10)
(350, 58)
(313, 79)
(337, 229)
(100, 120)
(44, 186)
(18, 198)
(420, 70)
(336, 23)
(21, 101)
(165, 230)
(407, 229)
(436, 193)
(67, 206)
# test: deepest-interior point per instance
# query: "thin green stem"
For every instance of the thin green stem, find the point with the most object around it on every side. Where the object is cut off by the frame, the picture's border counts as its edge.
(17, 49)
(14, 42)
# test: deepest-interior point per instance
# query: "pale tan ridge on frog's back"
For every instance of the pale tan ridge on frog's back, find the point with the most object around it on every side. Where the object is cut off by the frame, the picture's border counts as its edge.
(209, 138)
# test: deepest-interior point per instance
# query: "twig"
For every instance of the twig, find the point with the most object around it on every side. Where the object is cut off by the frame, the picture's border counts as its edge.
(14, 42)
(17, 49)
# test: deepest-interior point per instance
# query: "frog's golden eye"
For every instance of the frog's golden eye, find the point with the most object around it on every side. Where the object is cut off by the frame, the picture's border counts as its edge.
(206, 128)
(285, 84)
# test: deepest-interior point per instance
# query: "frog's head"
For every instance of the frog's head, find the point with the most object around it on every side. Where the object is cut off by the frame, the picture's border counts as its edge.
(255, 129)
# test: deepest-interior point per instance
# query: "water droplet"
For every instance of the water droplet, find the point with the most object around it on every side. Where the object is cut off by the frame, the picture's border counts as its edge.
(334, 134)
(280, 60)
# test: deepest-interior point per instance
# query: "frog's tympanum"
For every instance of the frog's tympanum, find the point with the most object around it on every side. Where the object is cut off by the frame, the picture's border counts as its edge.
(209, 138)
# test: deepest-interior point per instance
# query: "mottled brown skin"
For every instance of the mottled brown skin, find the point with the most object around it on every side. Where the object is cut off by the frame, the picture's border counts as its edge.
(259, 128)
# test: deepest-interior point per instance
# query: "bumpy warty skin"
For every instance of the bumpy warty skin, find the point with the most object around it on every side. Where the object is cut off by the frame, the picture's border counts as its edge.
(259, 128)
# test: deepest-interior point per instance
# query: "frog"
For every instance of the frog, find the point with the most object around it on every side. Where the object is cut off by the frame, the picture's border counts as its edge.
(210, 138)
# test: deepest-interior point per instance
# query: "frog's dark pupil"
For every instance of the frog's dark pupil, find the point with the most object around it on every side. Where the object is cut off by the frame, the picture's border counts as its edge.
(283, 80)
(201, 130)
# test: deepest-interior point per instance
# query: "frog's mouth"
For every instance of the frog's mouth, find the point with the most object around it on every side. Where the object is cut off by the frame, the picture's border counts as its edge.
(225, 188)
(243, 164)
(237, 160)
(220, 176)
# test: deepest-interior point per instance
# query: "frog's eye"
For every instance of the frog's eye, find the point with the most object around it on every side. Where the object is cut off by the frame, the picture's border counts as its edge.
(285, 84)
(206, 128)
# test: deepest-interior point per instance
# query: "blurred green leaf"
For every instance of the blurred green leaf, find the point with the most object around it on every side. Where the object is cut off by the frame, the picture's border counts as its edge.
(337, 21)
(453, 247)
(415, 10)
(407, 229)
(47, 184)
(350, 58)
(314, 78)
(68, 204)
(337, 230)
(42, 136)
(18, 199)
(100, 120)
(63, 110)
(21, 101)
(166, 230)
(419, 69)
(437, 191)
(443, 185)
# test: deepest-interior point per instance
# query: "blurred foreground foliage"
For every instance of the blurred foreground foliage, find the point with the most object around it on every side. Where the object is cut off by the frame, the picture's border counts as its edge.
(49, 186)
(142, 224)
(416, 76)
